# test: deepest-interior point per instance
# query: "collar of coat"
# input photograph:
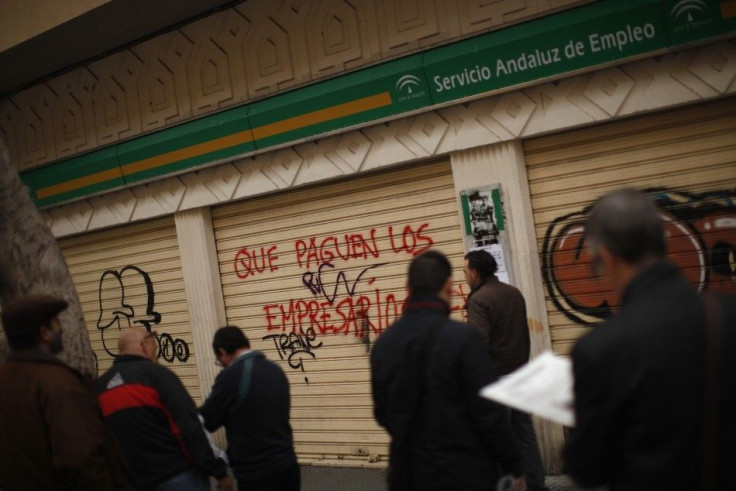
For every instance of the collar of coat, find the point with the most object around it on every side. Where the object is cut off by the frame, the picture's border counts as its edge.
(252, 354)
(488, 281)
(127, 358)
(35, 355)
(424, 302)
(648, 278)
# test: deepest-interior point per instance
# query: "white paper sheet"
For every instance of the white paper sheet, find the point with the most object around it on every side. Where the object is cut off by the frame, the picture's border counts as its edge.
(543, 387)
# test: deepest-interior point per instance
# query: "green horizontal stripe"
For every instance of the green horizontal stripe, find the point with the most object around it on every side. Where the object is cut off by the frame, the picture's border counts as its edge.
(588, 36)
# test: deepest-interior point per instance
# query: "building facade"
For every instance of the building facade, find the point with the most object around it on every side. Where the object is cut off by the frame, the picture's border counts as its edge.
(276, 165)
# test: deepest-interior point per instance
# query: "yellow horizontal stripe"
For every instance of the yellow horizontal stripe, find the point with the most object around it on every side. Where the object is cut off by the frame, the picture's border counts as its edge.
(728, 9)
(322, 115)
(290, 124)
(78, 183)
(187, 152)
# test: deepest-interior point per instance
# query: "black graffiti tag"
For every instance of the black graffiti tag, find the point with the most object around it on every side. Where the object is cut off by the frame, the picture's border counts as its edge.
(119, 312)
(294, 346)
(316, 284)
(170, 348)
(115, 309)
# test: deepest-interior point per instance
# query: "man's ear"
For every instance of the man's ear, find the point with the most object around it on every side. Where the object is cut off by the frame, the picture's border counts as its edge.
(608, 260)
(447, 287)
(44, 333)
(150, 349)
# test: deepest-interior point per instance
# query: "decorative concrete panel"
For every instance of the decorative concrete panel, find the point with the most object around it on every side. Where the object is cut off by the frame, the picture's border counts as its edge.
(213, 68)
(482, 14)
(652, 84)
(248, 51)
(33, 130)
(73, 113)
(163, 84)
(115, 102)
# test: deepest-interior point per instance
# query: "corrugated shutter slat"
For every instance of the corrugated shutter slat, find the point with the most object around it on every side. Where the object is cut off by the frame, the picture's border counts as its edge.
(688, 156)
(332, 412)
(152, 247)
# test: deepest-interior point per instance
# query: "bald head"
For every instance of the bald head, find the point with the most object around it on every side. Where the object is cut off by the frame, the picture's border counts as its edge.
(138, 341)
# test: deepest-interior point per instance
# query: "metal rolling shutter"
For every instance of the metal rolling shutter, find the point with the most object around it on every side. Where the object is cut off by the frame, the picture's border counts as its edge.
(132, 275)
(686, 158)
(362, 232)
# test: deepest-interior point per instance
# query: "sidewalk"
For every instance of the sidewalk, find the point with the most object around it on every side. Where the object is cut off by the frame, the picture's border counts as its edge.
(353, 479)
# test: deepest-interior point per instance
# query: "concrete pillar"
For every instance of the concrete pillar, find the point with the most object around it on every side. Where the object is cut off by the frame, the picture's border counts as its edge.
(203, 288)
(504, 164)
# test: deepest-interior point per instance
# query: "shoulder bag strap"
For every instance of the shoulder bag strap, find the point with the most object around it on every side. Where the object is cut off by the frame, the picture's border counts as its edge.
(427, 345)
(428, 342)
(246, 377)
(713, 327)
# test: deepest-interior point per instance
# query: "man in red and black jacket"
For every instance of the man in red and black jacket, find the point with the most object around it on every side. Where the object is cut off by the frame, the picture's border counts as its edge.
(155, 420)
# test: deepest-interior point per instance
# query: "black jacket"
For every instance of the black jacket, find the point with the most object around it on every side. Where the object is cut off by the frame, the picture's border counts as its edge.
(155, 422)
(499, 311)
(251, 399)
(639, 382)
(455, 439)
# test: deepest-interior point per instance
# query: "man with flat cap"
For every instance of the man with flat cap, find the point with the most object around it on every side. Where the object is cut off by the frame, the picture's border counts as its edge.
(51, 434)
(155, 420)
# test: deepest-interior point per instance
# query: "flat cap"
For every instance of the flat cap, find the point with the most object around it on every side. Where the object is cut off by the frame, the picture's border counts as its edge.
(29, 313)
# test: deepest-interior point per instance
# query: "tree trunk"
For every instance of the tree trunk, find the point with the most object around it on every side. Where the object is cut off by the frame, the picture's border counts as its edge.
(31, 262)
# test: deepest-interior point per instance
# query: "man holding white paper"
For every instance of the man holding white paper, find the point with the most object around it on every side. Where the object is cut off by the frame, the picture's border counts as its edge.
(644, 419)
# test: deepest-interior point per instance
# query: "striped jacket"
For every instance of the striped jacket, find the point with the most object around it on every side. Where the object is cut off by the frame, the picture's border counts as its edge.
(155, 421)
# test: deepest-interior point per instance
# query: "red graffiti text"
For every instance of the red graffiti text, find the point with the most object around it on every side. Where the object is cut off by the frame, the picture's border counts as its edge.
(251, 262)
(410, 240)
(377, 308)
(313, 252)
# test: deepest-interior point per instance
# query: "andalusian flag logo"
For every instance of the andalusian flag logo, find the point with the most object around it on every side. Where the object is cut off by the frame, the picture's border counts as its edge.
(696, 11)
(689, 9)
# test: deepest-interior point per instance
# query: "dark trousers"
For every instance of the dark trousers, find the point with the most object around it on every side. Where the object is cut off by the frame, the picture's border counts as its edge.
(526, 438)
(286, 480)
(190, 479)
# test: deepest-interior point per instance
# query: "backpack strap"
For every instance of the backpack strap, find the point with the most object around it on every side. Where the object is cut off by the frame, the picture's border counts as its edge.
(245, 379)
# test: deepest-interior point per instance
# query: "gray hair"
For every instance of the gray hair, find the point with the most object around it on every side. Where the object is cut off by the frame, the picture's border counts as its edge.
(627, 223)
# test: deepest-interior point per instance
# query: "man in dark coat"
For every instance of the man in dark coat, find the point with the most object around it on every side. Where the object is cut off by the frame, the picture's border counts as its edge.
(640, 377)
(427, 371)
(155, 421)
(498, 310)
(251, 399)
(51, 434)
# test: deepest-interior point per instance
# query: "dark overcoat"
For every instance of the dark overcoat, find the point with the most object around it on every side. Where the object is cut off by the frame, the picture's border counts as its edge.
(499, 311)
(51, 434)
(453, 439)
(639, 385)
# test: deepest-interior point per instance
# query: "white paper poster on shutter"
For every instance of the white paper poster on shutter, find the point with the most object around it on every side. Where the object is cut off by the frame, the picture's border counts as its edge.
(313, 276)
